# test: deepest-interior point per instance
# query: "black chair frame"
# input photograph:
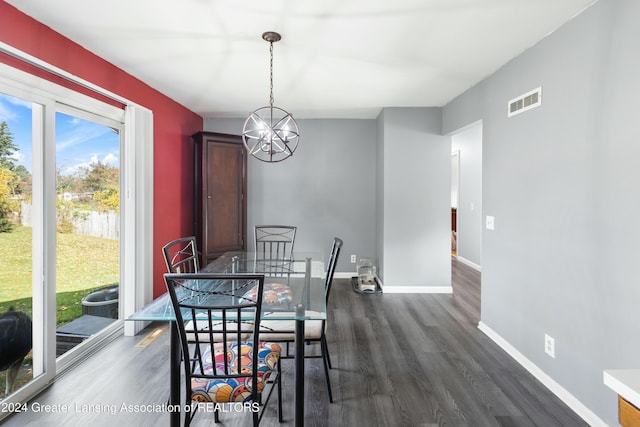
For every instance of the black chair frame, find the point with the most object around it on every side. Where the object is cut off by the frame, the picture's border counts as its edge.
(322, 339)
(274, 242)
(181, 255)
(231, 318)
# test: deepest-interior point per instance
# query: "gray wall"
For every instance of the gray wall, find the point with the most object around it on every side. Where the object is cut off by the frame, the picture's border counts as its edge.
(468, 143)
(561, 181)
(327, 189)
(381, 185)
(417, 194)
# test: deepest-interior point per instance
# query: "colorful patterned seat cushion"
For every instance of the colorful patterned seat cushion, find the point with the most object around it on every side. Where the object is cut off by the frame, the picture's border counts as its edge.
(272, 294)
(233, 389)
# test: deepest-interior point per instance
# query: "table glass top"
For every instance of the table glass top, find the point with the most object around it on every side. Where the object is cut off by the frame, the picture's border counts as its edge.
(293, 289)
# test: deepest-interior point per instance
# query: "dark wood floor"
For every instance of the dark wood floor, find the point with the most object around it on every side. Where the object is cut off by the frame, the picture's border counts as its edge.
(399, 360)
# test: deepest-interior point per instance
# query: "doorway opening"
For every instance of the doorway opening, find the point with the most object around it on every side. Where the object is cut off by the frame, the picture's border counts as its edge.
(466, 216)
(466, 194)
(455, 183)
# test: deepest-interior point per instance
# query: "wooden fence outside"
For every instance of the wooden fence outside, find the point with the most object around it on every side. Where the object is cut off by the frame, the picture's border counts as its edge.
(88, 223)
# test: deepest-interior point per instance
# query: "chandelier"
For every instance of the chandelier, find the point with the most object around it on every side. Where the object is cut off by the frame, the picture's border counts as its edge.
(270, 133)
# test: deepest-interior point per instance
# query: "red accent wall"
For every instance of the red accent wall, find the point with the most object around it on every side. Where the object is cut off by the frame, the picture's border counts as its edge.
(172, 128)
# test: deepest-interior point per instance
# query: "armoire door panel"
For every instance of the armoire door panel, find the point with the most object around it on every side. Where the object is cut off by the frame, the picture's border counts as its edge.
(220, 222)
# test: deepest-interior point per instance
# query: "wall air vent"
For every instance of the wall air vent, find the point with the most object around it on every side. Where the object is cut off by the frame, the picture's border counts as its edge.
(525, 102)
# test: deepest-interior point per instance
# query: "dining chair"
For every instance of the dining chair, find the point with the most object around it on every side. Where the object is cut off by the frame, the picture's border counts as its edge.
(181, 255)
(273, 250)
(283, 331)
(274, 242)
(219, 365)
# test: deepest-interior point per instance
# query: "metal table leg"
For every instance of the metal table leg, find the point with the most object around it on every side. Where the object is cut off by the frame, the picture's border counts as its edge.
(299, 356)
(299, 374)
(174, 374)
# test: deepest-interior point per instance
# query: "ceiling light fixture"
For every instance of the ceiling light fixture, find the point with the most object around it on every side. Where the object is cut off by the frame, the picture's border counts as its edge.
(270, 133)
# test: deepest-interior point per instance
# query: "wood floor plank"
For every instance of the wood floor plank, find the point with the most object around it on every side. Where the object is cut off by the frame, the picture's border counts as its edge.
(398, 360)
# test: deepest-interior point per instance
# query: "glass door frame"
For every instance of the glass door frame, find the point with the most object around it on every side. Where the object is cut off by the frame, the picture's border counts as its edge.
(136, 142)
(43, 240)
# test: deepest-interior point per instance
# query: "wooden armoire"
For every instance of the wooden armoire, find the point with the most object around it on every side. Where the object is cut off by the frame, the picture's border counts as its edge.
(220, 194)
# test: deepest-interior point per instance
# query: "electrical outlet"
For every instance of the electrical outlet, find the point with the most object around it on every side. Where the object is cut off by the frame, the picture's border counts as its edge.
(353, 259)
(490, 223)
(549, 346)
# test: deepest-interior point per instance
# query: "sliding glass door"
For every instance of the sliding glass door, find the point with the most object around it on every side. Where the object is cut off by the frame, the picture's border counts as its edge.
(76, 222)
(60, 245)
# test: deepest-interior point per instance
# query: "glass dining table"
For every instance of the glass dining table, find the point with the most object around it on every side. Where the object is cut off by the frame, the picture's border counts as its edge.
(302, 277)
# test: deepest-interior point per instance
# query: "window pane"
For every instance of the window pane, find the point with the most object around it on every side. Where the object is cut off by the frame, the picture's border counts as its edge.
(88, 228)
(16, 289)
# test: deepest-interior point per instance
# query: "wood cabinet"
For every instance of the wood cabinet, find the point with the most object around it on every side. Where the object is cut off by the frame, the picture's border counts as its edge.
(628, 414)
(220, 202)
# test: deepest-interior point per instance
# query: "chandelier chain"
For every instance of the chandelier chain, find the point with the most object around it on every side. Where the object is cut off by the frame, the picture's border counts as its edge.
(271, 74)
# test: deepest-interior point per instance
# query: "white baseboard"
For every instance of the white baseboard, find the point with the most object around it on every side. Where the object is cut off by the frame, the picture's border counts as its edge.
(469, 263)
(344, 275)
(563, 394)
(401, 289)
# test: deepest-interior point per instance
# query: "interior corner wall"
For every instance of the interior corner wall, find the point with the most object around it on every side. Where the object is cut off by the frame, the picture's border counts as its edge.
(561, 181)
(468, 143)
(172, 127)
(380, 195)
(326, 189)
(416, 184)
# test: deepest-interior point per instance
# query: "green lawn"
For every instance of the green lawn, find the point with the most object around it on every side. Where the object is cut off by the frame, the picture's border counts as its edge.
(83, 263)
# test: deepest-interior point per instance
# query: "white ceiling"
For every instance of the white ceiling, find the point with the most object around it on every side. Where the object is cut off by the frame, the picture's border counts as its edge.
(337, 58)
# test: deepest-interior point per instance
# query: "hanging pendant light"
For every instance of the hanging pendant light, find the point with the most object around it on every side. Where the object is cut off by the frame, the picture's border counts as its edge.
(270, 133)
